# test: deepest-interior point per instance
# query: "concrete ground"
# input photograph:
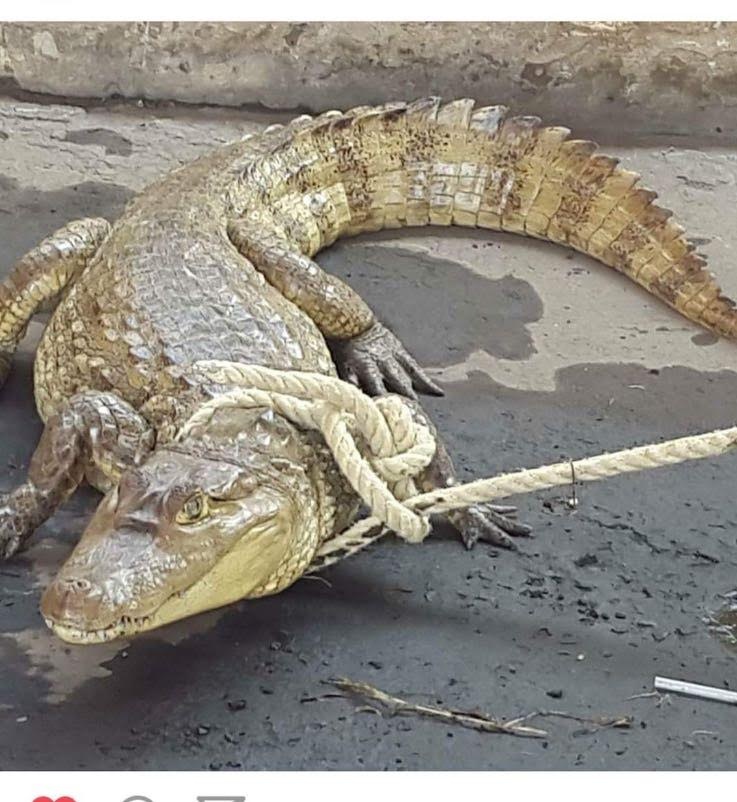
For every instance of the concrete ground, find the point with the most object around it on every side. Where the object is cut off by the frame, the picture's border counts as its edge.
(544, 355)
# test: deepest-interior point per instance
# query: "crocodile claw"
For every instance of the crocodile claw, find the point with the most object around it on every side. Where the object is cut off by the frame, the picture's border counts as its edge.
(377, 362)
(491, 524)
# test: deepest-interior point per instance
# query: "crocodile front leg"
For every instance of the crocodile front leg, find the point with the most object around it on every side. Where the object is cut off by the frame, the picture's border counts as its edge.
(367, 353)
(95, 434)
(41, 275)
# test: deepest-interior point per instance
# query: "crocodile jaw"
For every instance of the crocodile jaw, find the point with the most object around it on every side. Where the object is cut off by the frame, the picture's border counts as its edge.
(237, 575)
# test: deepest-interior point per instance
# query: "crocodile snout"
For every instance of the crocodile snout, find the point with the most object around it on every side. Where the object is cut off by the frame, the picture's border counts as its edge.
(76, 603)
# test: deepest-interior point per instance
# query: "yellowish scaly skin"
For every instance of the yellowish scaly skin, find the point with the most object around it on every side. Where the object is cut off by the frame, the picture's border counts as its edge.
(215, 261)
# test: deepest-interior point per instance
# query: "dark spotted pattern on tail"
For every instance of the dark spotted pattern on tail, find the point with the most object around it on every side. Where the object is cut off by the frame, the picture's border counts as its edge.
(425, 163)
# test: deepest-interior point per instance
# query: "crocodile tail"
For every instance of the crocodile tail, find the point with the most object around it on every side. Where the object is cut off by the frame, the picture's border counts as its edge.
(542, 184)
(564, 191)
(428, 163)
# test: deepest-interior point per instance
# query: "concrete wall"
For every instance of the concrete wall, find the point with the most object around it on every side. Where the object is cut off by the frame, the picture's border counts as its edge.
(648, 77)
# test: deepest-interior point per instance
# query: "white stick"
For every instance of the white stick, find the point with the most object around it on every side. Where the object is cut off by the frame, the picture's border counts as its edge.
(692, 689)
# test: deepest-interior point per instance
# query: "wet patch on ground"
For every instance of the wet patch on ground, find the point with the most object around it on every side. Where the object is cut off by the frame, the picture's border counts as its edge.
(461, 310)
(27, 215)
(113, 142)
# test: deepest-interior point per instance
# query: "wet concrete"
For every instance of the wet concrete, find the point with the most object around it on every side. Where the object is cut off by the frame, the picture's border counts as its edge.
(35, 214)
(581, 619)
(482, 312)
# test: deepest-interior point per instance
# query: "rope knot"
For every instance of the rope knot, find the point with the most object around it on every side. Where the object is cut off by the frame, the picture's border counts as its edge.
(377, 443)
(412, 447)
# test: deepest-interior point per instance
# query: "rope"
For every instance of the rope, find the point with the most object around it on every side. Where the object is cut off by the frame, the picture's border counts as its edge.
(398, 448)
(381, 448)
(591, 469)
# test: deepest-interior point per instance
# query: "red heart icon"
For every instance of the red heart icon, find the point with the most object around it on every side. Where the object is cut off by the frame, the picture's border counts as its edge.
(49, 799)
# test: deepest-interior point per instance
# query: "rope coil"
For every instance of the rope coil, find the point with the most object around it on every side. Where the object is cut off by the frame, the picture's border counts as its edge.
(398, 447)
(381, 448)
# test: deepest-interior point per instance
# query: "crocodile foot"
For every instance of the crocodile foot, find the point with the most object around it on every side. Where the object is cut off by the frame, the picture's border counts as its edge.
(17, 520)
(11, 529)
(377, 362)
(490, 523)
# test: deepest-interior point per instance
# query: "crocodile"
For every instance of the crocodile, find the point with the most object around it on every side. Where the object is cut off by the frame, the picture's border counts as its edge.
(215, 261)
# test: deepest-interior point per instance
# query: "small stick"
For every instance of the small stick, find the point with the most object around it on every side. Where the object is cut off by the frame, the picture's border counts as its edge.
(694, 690)
(472, 720)
(648, 695)
(598, 722)
(475, 721)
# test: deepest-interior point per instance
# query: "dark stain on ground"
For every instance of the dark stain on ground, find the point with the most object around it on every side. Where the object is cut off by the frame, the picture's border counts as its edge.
(704, 338)
(601, 600)
(146, 108)
(464, 311)
(112, 141)
(27, 215)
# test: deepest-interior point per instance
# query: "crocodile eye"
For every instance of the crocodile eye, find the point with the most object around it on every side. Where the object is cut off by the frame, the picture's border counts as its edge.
(194, 509)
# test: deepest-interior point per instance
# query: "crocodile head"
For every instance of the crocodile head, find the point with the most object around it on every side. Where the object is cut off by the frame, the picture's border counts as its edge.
(229, 513)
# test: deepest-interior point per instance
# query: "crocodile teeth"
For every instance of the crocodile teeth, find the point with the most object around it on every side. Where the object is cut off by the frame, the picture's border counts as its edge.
(92, 636)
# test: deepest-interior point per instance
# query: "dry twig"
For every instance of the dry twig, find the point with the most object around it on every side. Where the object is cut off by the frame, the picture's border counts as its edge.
(518, 727)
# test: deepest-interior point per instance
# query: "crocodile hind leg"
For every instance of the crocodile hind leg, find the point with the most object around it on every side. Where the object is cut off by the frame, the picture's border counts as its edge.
(95, 434)
(366, 352)
(490, 523)
(41, 275)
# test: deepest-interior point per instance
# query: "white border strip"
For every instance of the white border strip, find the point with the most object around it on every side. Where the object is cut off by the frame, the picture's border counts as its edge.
(366, 787)
(391, 10)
